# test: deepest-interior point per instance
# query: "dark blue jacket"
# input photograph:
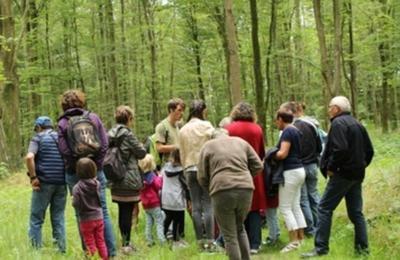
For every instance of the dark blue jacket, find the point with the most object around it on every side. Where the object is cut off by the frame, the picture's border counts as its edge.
(49, 164)
(273, 173)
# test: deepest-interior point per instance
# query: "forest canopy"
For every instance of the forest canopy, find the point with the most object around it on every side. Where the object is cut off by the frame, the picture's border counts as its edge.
(143, 52)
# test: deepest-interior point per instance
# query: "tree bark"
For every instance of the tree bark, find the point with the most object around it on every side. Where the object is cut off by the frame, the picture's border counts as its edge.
(9, 90)
(76, 48)
(196, 48)
(124, 61)
(111, 56)
(260, 100)
(234, 64)
(31, 26)
(148, 12)
(220, 19)
(326, 70)
(352, 79)
(338, 46)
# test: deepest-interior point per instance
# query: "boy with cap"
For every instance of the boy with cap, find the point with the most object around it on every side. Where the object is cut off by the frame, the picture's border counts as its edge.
(46, 172)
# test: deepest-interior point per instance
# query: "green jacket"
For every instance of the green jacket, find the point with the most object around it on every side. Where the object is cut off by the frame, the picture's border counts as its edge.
(131, 151)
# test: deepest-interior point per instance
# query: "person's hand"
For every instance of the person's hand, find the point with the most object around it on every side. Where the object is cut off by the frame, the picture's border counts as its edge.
(330, 173)
(35, 184)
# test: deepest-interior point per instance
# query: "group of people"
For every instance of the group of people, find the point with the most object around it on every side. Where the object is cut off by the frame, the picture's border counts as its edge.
(222, 176)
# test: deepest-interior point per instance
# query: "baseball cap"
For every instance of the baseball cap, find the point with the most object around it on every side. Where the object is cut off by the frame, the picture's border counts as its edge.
(43, 121)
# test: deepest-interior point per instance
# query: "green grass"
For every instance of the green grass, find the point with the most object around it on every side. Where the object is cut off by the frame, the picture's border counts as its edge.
(381, 208)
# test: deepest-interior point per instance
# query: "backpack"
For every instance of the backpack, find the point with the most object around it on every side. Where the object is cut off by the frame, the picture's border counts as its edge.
(113, 164)
(83, 136)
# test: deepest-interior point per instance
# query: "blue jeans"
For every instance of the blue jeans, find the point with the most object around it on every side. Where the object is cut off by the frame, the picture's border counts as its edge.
(71, 180)
(202, 215)
(55, 196)
(310, 198)
(155, 215)
(337, 189)
(271, 215)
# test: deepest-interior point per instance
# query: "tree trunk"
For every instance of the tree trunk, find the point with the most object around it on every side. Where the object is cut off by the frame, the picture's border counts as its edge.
(124, 61)
(31, 26)
(384, 57)
(67, 49)
(111, 56)
(325, 65)
(260, 101)
(234, 64)
(299, 50)
(9, 90)
(194, 33)
(268, 63)
(338, 46)
(76, 47)
(149, 18)
(352, 79)
(219, 17)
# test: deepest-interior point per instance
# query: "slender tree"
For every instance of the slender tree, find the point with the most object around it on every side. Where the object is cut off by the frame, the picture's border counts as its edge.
(234, 63)
(9, 89)
(260, 93)
(326, 70)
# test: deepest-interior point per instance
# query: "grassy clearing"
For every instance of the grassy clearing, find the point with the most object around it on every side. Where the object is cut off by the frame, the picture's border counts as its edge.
(381, 203)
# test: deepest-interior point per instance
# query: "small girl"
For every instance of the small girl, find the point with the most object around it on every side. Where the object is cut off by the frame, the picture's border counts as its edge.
(150, 197)
(173, 198)
(86, 201)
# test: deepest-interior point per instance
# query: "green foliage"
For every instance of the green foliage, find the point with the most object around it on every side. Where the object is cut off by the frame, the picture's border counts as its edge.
(71, 47)
(4, 171)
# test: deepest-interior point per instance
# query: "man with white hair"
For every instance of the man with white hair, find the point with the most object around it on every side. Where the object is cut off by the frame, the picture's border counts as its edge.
(348, 152)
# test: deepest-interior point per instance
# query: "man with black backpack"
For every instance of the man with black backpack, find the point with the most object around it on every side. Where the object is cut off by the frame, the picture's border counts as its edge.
(82, 134)
(47, 177)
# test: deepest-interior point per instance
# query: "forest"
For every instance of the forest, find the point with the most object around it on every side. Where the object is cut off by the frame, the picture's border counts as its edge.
(143, 52)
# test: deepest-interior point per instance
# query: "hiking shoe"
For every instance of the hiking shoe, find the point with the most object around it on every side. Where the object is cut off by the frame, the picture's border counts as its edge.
(127, 250)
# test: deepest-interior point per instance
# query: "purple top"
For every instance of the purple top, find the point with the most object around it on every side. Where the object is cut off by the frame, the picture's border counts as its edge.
(62, 138)
(86, 199)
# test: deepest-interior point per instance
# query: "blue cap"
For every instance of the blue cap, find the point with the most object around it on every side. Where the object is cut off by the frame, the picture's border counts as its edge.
(43, 121)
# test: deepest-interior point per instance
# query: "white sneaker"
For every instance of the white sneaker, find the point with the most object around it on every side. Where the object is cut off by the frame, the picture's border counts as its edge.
(179, 245)
(253, 251)
(290, 247)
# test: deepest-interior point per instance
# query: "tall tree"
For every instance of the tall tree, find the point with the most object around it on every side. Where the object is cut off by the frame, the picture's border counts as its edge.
(9, 89)
(148, 12)
(111, 54)
(384, 55)
(338, 46)
(326, 70)
(260, 101)
(234, 64)
(351, 77)
(194, 33)
(31, 24)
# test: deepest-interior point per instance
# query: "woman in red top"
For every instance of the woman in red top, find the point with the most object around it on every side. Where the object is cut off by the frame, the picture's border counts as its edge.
(244, 126)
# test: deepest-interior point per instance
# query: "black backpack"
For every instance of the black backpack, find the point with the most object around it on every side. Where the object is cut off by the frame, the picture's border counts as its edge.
(113, 164)
(83, 136)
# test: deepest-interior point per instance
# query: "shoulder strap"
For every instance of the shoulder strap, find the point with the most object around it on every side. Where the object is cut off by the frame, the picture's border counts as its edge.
(166, 131)
(121, 138)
